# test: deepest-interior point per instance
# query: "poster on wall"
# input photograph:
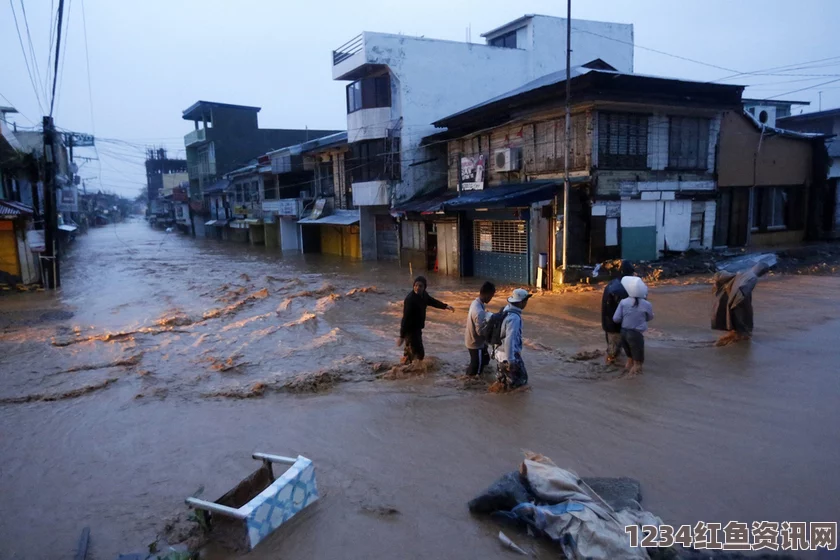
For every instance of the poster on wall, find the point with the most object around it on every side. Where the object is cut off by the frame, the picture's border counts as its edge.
(67, 197)
(472, 173)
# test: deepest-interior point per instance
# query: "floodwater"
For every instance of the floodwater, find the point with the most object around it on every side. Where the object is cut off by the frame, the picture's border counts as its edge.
(164, 362)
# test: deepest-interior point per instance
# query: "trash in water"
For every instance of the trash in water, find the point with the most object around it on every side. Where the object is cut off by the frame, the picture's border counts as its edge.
(510, 544)
(558, 504)
(247, 514)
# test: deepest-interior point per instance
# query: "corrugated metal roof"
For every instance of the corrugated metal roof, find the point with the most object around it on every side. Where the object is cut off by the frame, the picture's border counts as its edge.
(505, 196)
(425, 204)
(9, 208)
(337, 218)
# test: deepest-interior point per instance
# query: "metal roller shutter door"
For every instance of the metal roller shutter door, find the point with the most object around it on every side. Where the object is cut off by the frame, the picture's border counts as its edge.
(501, 250)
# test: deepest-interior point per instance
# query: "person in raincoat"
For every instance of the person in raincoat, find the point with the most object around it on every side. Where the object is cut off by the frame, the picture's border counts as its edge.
(511, 367)
(613, 294)
(733, 311)
(414, 320)
(633, 314)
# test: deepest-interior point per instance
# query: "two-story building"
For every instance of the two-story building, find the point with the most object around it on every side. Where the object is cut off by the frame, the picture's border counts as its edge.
(226, 137)
(398, 85)
(642, 161)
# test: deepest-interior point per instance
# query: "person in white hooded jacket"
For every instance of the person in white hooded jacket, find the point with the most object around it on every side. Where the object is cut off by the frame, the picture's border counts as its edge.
(512, 373)
(633, 314)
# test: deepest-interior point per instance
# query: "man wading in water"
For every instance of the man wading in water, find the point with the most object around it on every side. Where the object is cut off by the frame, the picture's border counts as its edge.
(733, 310)
(613, 294)
(414, 320)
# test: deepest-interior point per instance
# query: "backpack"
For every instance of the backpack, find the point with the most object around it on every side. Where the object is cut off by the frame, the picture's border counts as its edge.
(491, 330)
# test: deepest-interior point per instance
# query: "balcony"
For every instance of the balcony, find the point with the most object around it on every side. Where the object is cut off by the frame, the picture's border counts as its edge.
(348, 49)
(358, 57)
(194, 137)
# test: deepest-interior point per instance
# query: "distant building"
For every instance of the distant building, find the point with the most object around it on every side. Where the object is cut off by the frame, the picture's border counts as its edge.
(399, 85)
(227, 137)
(768, 111)
(163, 174)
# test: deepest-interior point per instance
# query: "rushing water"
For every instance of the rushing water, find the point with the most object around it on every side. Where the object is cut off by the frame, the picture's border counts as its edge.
(164, 362)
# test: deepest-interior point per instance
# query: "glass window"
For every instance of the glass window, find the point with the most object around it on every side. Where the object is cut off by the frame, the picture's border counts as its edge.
(369, 93)
(374, 160)
(270, 188)
(688, 143)
(508, 40)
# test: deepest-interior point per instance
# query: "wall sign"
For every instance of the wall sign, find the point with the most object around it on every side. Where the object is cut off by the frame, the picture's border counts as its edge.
(473, 173)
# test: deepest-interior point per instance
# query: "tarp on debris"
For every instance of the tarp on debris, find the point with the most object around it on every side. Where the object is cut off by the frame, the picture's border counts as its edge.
(337, 218)
(563, 508)
(744, 262)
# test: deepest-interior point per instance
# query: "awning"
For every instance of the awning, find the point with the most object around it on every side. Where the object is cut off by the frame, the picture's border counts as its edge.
(210, 223)
(337, 218)
(218, 187)
(66, 227)
(253, 221)
(508, 196)
(428, 204)
(10, 209)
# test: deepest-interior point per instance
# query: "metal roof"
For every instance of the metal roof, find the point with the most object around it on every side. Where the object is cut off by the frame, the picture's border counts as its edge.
(505, 196)
(427, 204)
(337, 218)
(783, 131)
(219, 186)
(12, 209)
(773, 102)
(828, 113)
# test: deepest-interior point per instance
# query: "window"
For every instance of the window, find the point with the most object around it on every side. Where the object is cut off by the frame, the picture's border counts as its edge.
(508, 40)
(414, 235)
(326, 180)
(777, 208)
(373, 161)
(246, 192)
(622, 141)
(698, 217)
(369, 93)
(509, 236)
(238, 190)
(688, 143)
(255, 191)
(270, 188)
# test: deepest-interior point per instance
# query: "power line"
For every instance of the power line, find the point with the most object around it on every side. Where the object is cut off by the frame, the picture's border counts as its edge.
(805, 88)
(32, 49)
(25, 58)
(47, 71)
(12, 105)
(57, 52)
(787, 67)
(87, 65)
(66, 40)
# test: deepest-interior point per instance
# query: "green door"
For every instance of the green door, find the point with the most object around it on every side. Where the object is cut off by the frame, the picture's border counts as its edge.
(638, 243)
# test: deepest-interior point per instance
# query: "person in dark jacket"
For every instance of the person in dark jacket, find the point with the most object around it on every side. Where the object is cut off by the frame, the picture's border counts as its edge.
(613, 294)
(414, 320)
(733, 310)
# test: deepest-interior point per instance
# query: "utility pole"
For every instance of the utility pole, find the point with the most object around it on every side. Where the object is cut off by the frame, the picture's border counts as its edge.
(566, 185)
(820, 101)
(50, 215)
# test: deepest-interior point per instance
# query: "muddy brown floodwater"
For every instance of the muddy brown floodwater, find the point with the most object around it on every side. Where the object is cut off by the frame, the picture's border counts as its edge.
(164, 362)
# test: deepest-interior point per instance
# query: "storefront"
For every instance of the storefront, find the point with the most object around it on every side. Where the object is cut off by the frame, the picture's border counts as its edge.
(428, 236)
(336, 234)
(18, 263)
(499, 229)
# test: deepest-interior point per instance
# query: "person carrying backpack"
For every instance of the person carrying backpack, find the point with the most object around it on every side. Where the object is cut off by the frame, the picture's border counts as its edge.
(613, 294)
(414, 320)
(633, 314)
(511, 367)
(474, 338)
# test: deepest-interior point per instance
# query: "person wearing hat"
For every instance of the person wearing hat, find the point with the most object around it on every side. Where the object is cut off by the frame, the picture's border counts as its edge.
(414, 320)
(613, 294)
(633, 314)
(512, 373)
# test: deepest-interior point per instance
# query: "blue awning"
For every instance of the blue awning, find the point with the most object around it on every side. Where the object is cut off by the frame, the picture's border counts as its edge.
(428, 204)
(505, 196)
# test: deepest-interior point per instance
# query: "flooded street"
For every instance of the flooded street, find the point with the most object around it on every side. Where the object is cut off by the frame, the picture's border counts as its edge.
(164, 362)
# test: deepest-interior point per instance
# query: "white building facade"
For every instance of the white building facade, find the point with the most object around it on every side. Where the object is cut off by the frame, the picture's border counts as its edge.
(399, 85)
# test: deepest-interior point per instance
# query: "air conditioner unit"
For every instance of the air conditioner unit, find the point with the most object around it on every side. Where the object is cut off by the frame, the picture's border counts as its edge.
(764, 114)
(506, 159)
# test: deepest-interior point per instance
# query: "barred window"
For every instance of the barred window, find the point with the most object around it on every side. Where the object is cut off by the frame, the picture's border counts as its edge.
(509, 236)
(688, 143)
(622, 140)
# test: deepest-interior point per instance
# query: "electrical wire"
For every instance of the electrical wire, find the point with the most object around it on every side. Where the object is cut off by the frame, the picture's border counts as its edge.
(32, 49)
(805, 88)
(87, 66)
(66, 42)
(25, 58)
(21, 114)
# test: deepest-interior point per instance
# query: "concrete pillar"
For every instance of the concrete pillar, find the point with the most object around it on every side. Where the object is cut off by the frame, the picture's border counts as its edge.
(367, 232)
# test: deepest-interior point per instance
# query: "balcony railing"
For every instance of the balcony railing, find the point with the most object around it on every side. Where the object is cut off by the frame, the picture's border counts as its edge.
(194, 137)
(348, 49)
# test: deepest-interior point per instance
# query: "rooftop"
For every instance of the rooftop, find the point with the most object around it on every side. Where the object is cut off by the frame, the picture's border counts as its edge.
(773, 102)
(828, 113)
(197, 109)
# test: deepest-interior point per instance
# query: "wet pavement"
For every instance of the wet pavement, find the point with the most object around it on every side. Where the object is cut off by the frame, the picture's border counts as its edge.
(164, 362)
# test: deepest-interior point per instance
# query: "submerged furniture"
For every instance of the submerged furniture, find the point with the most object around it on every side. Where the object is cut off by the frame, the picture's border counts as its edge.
(258, 505)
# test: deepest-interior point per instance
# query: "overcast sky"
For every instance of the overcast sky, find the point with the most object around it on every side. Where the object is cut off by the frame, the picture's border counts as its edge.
(150, 60)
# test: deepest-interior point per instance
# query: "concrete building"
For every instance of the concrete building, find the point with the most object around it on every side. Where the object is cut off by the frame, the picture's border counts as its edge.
(828, 123)
(227, 137)
(399, 85)
(642, 167)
